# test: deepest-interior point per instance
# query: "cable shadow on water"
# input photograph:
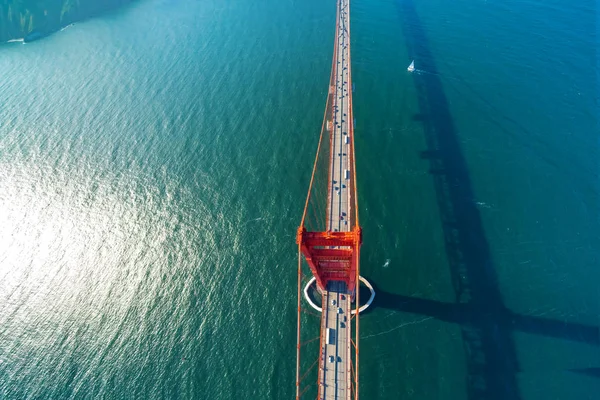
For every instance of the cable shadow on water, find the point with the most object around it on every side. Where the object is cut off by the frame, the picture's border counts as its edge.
(488, 345)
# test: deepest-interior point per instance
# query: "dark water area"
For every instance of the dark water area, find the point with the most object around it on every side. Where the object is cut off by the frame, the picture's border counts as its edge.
(154, 163)
(35, 19)
(491, 363)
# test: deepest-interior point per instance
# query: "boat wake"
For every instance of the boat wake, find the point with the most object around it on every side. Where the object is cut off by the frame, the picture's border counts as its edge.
(253, 220)
(423, 72)
(398, 327)
(411, 68)
(483, 204)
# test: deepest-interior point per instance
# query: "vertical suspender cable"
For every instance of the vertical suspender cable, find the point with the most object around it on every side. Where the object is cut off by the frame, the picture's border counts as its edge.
(357, 249)
(323, 129)
(298, 331)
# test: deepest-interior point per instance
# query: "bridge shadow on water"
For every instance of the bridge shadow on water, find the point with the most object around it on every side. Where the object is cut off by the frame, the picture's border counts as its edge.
(486, 324)
(492, 363)
(464, 314)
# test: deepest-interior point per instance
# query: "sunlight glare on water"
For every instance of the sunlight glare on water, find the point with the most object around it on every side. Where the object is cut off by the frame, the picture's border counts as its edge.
(154, 163)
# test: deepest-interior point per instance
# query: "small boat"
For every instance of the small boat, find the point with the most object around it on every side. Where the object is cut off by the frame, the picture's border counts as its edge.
(411, 67)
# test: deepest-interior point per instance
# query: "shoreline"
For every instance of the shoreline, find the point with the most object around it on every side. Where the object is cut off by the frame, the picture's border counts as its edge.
(51, 22)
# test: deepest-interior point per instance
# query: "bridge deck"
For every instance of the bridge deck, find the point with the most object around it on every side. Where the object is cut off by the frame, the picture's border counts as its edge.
(334, 373)
(339, 181)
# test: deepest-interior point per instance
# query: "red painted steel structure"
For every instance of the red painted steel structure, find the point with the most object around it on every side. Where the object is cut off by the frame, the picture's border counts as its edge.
(332, 256)
(336, 263)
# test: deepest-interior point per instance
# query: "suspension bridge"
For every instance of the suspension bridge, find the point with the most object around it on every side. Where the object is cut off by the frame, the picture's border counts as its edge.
(329, 240)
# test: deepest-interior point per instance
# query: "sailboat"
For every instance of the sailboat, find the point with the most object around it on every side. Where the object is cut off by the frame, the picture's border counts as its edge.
(411, 67)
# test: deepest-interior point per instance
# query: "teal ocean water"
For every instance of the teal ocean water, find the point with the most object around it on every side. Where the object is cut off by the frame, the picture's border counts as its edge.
(154, 164)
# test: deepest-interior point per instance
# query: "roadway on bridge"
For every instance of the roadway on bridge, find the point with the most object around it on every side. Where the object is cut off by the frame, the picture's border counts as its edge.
(339, 190)
(334, 371)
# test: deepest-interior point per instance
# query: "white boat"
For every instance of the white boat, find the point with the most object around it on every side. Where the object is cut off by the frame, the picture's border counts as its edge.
(411, 67)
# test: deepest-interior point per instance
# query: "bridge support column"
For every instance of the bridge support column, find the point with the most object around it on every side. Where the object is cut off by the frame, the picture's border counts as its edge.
(332, 255)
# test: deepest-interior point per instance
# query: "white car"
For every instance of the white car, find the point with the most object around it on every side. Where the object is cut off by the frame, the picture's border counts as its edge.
(333, 302)
(340, 311)
(331, 359)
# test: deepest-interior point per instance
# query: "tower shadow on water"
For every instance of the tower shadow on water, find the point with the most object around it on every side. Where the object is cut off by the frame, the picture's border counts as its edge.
(489, 348)
(457, 313)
